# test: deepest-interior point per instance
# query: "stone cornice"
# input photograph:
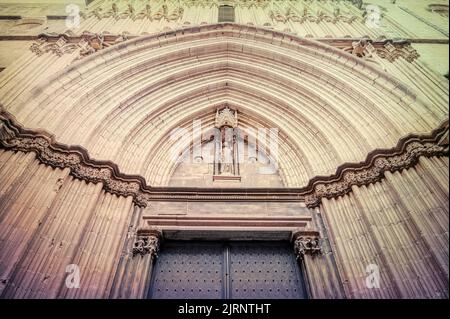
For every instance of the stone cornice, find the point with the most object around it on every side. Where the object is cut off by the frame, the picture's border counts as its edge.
(406, 154)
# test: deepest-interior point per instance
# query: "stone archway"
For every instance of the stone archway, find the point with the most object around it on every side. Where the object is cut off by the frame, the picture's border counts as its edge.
(122, 103)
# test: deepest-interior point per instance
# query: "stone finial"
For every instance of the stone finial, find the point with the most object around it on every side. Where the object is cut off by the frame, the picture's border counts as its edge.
(226, 117)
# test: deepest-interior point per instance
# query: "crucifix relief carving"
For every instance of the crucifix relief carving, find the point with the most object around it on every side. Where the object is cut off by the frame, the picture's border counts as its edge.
(226, 164)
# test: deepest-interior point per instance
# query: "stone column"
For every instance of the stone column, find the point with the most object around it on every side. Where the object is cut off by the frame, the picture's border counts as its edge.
(306, 247)
(135, 275)
(145, 251)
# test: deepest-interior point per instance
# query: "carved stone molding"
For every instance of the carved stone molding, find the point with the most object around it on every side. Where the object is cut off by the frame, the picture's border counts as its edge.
(59, 47)
(320, 16)
(405, 155)
(86, 44)
(374, 171)
(391, 52)
(306, 244)
(147, 242)
(76, 158)
(134, 12)
(108, 11)
(387, 49)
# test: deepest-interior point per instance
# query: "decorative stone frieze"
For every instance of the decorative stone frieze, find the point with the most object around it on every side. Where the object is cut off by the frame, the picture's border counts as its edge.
(59, 47)
(391, 52)
(48, 151)
(135, 12)
(374, 172)
(385, 49)
(86, 44)
(307, 16)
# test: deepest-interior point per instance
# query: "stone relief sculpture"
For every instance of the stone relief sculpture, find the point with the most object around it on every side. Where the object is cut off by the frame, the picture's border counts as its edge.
(226, 121)
(227, 158)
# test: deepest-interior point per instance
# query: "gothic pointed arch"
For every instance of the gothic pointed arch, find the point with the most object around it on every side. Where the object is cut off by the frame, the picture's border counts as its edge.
(123, 102)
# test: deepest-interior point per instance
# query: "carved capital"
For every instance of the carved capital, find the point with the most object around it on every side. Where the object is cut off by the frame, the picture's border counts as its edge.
(307, 244)
(147, 243)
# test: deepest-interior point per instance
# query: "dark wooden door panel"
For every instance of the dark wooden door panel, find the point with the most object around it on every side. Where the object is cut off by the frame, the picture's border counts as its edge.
(264, 270)
(226, 270)
(189, 270)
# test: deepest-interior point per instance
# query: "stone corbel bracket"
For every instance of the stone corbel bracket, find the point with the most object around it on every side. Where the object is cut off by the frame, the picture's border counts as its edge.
(405, 155)
(147, 241)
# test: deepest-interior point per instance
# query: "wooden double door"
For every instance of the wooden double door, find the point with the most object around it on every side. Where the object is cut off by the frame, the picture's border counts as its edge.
(227, 270)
